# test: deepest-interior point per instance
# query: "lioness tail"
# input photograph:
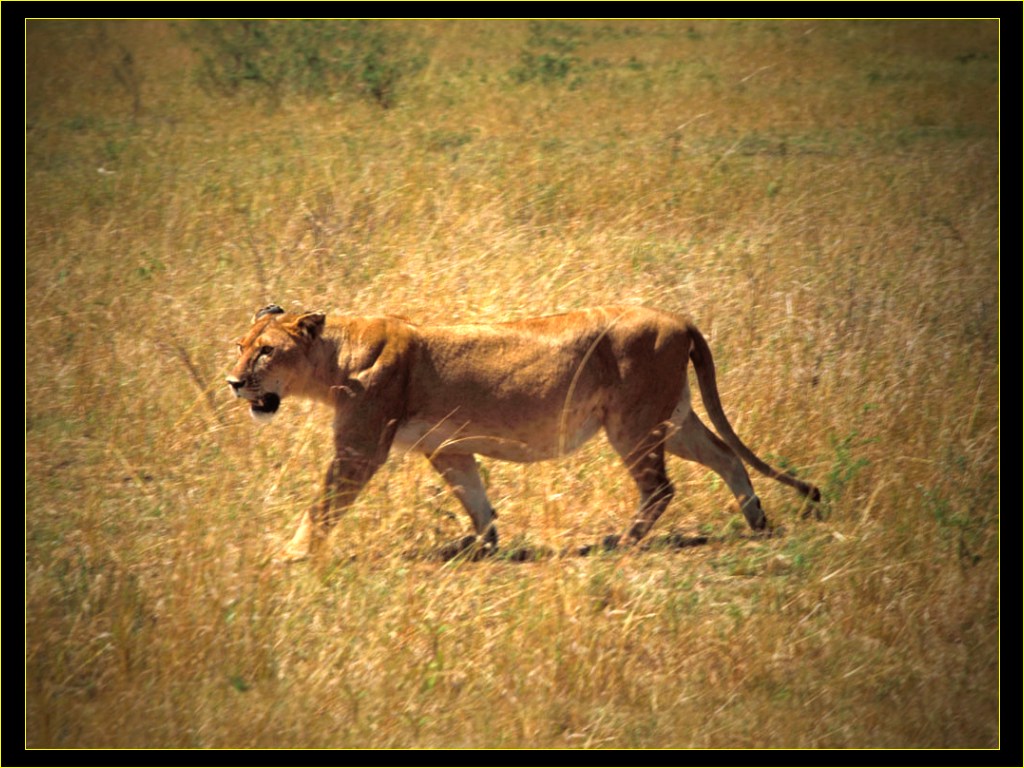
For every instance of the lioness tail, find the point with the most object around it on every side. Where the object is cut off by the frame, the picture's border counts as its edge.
(700, 354)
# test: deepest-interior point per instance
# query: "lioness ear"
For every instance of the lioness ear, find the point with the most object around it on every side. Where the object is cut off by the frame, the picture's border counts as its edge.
(311, 324)
(270, 309)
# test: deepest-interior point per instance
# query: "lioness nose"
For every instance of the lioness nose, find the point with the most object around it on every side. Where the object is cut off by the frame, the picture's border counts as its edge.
(236, 384)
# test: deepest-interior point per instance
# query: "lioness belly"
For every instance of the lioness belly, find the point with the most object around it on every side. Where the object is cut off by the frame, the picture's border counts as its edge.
(507, 442)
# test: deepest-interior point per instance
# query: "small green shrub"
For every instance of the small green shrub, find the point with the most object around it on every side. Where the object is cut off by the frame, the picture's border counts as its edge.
(314, 59)
(548, 55)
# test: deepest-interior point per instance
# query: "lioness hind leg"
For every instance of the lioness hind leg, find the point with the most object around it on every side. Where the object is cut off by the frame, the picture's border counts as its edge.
(694, 441)
(645, 459)
(460, 473)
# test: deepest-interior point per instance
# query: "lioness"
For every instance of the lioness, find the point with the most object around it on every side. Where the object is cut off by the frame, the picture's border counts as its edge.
(522, 391)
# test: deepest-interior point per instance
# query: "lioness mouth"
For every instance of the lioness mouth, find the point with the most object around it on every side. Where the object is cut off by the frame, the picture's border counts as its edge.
(269, 403)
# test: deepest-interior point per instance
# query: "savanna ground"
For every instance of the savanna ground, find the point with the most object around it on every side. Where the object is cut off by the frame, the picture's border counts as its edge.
(822, 197)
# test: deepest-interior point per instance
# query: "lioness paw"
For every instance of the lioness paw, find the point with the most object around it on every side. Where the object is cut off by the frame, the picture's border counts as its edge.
(287, 556)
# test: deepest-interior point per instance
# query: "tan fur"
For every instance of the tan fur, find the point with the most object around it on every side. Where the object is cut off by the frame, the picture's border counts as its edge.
(522, 391)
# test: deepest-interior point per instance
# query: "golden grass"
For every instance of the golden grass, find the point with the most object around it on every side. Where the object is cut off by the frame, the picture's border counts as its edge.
(821, 197)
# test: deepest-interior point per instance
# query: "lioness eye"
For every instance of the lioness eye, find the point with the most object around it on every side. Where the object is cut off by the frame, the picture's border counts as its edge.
(266, 350)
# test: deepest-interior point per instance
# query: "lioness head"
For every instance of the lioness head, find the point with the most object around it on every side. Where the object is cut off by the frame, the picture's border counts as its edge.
(273, 358)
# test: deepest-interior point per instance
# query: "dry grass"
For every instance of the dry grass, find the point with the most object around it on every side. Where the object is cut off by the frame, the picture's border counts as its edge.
(821, 197)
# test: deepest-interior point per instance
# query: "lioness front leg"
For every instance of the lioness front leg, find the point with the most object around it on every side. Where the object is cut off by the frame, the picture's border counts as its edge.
(347, 475)
(460, 473)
